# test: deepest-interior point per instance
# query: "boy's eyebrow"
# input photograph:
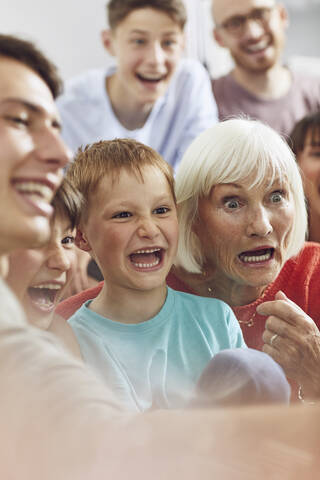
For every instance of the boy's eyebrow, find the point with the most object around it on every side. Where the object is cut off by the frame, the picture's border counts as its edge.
(144, 32)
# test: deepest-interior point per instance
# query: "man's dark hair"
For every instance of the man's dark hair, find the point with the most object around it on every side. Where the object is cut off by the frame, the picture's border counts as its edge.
(118, 10)
(27, 53)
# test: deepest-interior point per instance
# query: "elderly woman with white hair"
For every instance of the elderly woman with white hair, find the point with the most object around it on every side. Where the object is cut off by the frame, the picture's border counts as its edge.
(243, 225)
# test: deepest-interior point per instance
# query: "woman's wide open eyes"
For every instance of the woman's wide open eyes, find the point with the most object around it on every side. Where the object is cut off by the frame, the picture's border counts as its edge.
(232, 203)
(277, 196)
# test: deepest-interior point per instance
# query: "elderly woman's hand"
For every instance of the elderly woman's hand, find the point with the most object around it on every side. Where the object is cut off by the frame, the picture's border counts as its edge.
(292, 339)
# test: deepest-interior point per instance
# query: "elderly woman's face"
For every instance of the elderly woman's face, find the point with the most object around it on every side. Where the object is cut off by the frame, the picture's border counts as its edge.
(244, 232)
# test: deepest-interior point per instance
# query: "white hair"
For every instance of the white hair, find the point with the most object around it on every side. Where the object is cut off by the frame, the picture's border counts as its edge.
(231, 152)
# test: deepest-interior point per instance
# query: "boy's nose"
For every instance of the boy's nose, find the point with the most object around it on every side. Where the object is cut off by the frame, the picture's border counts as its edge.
(148, 229)
(155, 54)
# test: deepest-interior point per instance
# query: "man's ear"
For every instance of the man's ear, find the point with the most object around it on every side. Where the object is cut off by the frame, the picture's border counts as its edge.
(218, 38)
(107, 41)
(82, 241)
(283, 12)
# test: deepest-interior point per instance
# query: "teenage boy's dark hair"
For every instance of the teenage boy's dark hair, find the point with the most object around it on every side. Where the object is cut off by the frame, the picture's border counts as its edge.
(309, 123)
(118, 10)
(27, 53)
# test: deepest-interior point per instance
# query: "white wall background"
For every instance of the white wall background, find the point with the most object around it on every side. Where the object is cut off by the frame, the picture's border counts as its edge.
(68, 31)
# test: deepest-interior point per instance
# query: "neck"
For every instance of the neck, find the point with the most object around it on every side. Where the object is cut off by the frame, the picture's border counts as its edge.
(211, 285)
(269, 84)
(314, 226)
(129, 113)
(129, 305)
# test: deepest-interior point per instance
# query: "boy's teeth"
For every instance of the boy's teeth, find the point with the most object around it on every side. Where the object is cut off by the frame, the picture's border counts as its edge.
(147, 265)
(38, 189)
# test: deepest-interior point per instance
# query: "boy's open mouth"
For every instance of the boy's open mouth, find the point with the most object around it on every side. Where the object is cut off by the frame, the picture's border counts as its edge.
(147, 258)
(44, 296)
(255, 256)
(155, 79)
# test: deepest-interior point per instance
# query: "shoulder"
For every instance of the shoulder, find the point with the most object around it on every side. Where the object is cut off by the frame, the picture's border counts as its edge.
(63, 331)
(189, 71)
(308, 257)
(82, 87)
(202, 305)
(221, 82)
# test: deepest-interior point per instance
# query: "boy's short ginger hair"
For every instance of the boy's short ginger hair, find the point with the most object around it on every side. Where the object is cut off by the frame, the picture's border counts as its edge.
(67, 202)
(110, 157)
(118, 10)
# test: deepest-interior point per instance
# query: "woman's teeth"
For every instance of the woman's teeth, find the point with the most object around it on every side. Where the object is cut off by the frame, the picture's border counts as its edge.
(256, 258)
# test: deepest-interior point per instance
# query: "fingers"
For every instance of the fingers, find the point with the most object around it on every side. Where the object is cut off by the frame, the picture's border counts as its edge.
(285, 309)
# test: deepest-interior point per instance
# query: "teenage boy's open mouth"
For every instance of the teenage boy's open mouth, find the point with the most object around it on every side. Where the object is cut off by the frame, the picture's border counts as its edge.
(151, 79)
(147, 258)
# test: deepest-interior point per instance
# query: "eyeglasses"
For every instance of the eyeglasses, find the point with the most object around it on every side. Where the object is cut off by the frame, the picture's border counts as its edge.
(236, 25)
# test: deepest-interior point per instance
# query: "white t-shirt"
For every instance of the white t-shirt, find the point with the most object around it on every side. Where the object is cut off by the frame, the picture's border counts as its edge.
(186, 109)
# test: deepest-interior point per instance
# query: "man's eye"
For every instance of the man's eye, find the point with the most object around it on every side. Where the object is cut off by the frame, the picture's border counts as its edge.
(235, 22)
(68, 240)
(122, 215)
(161, 210)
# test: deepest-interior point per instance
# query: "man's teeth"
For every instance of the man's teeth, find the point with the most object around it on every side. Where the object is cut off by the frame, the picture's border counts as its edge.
(38, 189)
(256, 258)
(257, 46)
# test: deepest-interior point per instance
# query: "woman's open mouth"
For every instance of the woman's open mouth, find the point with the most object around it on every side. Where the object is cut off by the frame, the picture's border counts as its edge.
(257, 256)
(44, 296)
(147, 258)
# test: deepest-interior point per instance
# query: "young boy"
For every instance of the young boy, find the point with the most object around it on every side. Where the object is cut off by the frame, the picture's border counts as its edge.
(148, 342)
(151, 95)
(40, 276)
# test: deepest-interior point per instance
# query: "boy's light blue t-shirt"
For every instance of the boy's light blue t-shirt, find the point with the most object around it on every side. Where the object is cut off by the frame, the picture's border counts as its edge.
(156, 363)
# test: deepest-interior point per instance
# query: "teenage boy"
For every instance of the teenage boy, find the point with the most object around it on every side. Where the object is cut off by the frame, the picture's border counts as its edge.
(259, 85)
(150, 343)
(151, 95)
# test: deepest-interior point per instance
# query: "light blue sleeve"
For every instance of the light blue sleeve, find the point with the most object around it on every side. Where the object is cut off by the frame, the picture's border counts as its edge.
(235, 332)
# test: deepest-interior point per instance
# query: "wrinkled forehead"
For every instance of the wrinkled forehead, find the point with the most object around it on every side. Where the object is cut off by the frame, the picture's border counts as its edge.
(224, 9)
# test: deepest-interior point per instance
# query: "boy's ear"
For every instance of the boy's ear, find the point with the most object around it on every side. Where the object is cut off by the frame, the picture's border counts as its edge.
(106, 37)
(82, 241)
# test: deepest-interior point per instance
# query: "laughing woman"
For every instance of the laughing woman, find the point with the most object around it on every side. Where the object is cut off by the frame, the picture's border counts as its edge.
(243, 224)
